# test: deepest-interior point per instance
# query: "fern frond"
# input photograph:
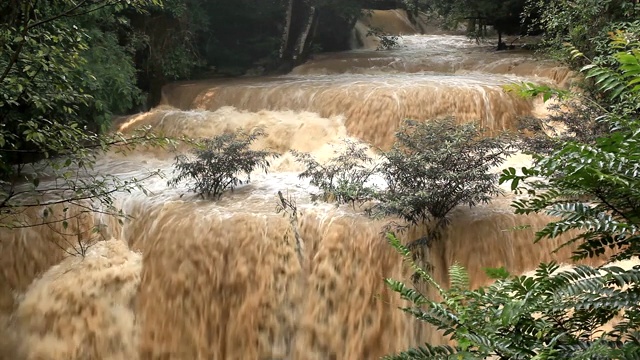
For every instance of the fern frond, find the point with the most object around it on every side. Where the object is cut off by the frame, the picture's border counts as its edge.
(407, 293)
(459, 277)
(436, 315)
(426, 352)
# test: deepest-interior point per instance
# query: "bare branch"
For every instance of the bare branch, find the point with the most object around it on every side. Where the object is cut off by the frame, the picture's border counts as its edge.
(289, 207)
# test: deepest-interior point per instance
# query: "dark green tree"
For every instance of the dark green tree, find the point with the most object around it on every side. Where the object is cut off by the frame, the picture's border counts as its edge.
(52, 101)
(504, 15)
(435, 166)
(581, 23)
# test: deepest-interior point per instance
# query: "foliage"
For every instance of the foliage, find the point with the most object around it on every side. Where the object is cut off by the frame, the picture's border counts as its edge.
(582, 23)
(592, 187)
(68, 178)
(75, 58)
(529, 90)
(233, 36)
(109, 76)
(573, 120)
(616, 76)
(343, 178)
(503, 15)
(50, 103)
(432, 167)
(583, 116)
(164, 42)
(437, 165)
(387, 41)
(572, 117)
(219, 161)
(552, 314)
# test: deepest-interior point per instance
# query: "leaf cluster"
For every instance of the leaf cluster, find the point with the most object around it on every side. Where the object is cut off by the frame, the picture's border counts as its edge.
(67, 175)
(571, 120)
(387, 41)
(49, 97)
(216, 163)
(593, 186)
(551, 314)
(581, 23)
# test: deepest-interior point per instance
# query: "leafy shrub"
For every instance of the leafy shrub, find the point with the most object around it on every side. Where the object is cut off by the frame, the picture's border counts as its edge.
(592, 186)
(552, 314)
(433, 167)
(583, 23)
(343, 178)
(219, 161)
(437, 165)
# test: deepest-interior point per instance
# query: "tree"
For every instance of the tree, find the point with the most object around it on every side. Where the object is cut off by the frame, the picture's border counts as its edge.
(435, 166)
(503, 15)
(592, 186)
(47, 146)
(582, 23)
(309, 24)
(218, 162)
(343, 178)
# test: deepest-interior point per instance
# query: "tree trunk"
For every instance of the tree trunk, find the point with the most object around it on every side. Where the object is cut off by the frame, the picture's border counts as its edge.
(294, 25)
(304, 35)
(501, 45)
(286, 33)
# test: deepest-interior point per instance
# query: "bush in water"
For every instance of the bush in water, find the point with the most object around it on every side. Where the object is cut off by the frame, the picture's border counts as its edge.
(344, 177)
(219, 161)
(437, 165)
(387, 41)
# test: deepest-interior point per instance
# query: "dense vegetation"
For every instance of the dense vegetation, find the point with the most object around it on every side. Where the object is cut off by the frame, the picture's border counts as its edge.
(589, 181)
(477, 15)
(432, 167)
(63, 71)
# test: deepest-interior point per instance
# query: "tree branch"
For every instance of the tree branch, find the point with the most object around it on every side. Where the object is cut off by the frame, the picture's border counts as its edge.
(293, 219)
(57, 16)
(16, 53)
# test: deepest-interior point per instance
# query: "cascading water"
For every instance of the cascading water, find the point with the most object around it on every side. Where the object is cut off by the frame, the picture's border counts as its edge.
(186, 278)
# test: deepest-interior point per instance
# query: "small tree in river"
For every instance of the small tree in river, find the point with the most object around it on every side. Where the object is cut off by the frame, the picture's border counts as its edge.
(435, 166)
(219, 161)
(343, 178)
